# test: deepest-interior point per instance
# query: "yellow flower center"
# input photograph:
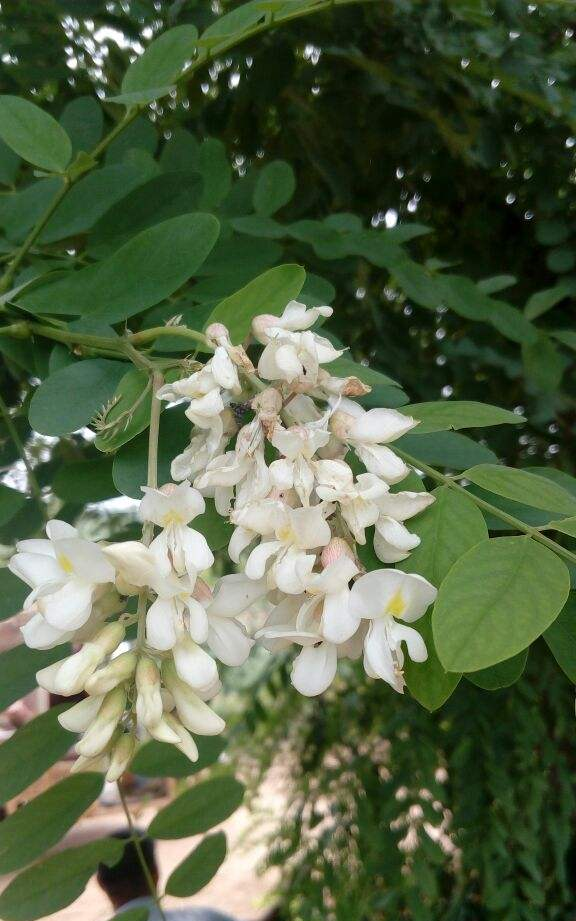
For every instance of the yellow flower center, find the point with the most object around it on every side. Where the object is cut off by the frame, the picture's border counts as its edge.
(286, 534)
(65, 563)
(396, 605)
(172, 518)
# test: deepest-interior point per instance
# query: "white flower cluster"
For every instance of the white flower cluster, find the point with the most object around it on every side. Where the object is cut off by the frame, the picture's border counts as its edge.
(299, 508)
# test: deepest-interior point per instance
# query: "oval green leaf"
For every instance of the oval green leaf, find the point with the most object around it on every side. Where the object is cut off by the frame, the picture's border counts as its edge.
(458, 414)
(33, 134)
(268, 293)
(521, 486)
(561, 638)
(199, 867)
(32, 750)
(502, 675)
(43, 821)
(162, 62)
(497, 598)
(198, 809)
(274, 188)
(57, 881)
(67, 400)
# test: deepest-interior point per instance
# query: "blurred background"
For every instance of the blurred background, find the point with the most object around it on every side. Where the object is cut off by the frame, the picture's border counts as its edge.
(449, 127)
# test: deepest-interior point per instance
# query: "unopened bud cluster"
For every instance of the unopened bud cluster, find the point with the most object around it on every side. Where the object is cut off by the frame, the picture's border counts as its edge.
(288, 481)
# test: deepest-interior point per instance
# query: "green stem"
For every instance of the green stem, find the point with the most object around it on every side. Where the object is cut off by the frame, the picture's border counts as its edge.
(33, 483)
(515, 523)
(135, 839)
(16, 261)
(133, 112)
(152, 481)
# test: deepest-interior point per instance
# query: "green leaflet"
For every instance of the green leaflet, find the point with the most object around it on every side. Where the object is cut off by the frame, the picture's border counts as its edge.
(43, 821)
(269, 293)
(458, 414)
(33, 134)
(522, 486)
(199, 867)
(57, 881)
(198, 809)
(497, 598)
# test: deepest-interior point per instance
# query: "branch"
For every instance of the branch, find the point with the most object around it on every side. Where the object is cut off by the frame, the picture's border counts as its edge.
(514, 523)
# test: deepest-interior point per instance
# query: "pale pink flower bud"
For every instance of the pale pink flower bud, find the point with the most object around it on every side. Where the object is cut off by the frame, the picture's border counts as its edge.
(335, 550)
(202, 591)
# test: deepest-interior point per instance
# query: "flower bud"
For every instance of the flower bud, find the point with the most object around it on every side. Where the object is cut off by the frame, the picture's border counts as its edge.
(193, 664)
(341, 424)
(79, 717)
(98, 736)
(107, 678)
(163, 732)
(69, 676)
(186, 743)
(120, 756)
(260, 326)
(336, 549)
(149, 707)
(193, 713)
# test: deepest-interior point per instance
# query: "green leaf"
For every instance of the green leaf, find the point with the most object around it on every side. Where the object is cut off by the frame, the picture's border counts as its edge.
(216, 529)
(160, 198)
(131, 462)
(198, 809)
(446, 449)
(566, 526)
(543, 364)
(216, 172)
(83, 121)
(158, 759)
(67, 400)
(18, 667)
(141, 96)
(33, 134)
(32, 750)
(561, 638)
(428, 682)
(85, 481)
(9, 164)
(522, 486)
(57, 881)
(502, 675)
(11, 501)
(274, 188)
(12, 594)
(268, 293)
(149, 267)
(497, 598)
(43, 821)
(458, 414)
(233, 23)
(130, 414)
(163, 61)
(199, 867)
(447, 529)
(543, 301)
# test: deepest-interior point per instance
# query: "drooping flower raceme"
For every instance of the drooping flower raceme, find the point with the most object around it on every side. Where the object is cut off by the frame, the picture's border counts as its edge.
(306, 476)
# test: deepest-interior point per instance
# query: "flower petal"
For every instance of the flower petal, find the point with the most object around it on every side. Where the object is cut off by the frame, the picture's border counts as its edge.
(314, 669)
(228, 640)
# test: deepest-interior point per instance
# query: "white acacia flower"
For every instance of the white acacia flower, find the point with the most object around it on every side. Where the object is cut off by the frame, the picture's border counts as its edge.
(100, 732)
(296, 530)
(204, 446)
(243, 470)
(298, 444)
(295, 317)
(178, 547)
(357, 500)
(295, 357)
(168, 618)
(63, 573)
(368, 432)
(384, 597)
(194, 665)
(392, 540)
(149, 706)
